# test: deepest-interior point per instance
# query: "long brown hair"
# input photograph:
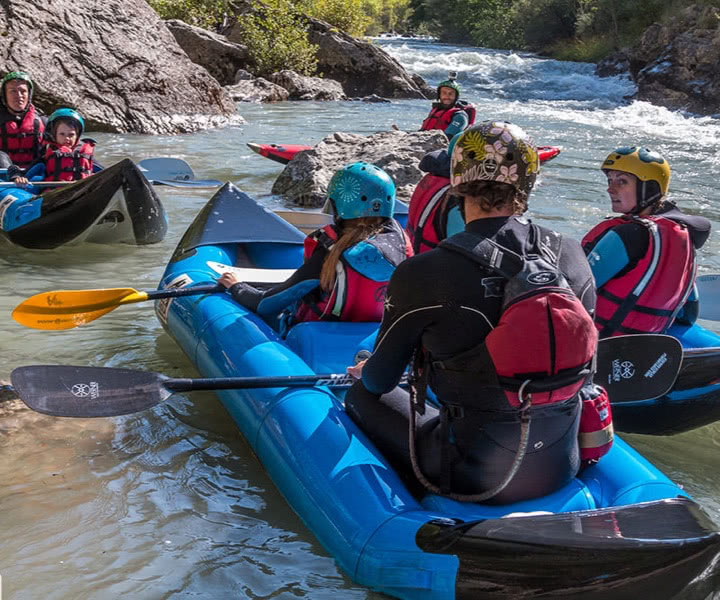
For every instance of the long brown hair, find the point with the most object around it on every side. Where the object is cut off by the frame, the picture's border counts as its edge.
(352, 231)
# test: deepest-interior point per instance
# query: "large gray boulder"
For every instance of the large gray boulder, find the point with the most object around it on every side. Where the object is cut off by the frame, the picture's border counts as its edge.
(363, 68)
(301, 87)
(221, 57)
(113, 60)
(305, 179)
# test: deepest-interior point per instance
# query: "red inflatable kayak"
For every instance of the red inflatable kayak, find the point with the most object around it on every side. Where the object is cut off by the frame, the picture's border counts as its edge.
(283, 153)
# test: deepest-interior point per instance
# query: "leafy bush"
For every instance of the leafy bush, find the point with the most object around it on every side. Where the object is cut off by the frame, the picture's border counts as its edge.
(349, 15)
(203, 13)
(276, 36)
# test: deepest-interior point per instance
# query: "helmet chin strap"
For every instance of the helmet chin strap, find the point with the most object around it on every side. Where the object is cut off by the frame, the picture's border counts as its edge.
(643, 201)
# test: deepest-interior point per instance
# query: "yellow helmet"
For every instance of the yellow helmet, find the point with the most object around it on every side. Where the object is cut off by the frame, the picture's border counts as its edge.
(651, 169)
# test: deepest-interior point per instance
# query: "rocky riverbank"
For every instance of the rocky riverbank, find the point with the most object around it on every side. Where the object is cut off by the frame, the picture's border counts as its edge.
(675, 64)
(127, 70)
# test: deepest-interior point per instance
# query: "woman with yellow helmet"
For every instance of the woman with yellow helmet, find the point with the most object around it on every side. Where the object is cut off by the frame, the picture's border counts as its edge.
(644, 260)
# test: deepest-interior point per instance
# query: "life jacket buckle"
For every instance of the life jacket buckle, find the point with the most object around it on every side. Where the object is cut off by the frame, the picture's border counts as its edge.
(455, 411)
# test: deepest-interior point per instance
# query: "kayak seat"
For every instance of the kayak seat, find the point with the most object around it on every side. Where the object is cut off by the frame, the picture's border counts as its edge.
(573, 496)
(328, 346)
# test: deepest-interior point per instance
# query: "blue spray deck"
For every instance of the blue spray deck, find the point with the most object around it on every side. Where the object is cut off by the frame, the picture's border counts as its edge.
(621, 530)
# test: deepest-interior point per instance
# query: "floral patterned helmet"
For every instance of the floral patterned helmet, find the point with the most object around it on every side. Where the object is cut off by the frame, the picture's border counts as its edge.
(495, 151)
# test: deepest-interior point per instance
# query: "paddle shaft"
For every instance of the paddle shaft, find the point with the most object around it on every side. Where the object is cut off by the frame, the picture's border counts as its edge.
(331, 380)
(179, 292)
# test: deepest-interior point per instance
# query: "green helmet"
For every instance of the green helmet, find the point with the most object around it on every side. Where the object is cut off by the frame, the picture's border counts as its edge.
(15, 75)
(495, 151)
(452, 84)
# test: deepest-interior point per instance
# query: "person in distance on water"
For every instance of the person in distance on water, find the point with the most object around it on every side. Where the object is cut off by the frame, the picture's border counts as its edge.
(445, 307)
(643, 260)
(21, 129)
(347, 264)
(66, 156)
(448, 112)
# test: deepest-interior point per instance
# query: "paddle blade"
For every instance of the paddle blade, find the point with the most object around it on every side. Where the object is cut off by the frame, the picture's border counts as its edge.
(708, 287)
(65, 391)
(174, 169)
(638, 367)
(65, 309)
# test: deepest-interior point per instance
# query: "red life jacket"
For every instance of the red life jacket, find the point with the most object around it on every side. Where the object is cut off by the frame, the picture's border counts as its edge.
(362, 275)
(66, 164)
(427, 216)
(440, 117)
(646, 298)
(21, 142)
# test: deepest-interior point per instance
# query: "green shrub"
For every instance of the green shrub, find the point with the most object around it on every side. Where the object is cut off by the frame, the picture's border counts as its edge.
(276, 36)
(202, 13)
(349, 15)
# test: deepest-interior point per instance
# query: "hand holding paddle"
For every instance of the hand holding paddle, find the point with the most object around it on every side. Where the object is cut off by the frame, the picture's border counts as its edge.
(633, 367)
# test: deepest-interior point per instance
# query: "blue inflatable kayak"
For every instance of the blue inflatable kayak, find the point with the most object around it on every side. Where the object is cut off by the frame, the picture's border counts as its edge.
(115, 205)
(621, 530)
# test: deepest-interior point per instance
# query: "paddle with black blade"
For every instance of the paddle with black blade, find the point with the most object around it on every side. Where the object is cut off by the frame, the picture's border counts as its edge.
(638, 367)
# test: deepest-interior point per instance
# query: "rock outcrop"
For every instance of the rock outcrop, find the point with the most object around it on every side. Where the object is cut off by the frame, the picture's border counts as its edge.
(676, 64)
(257, 89)
(306, 177)
(113, 60)
(363, 68)
(221, 57)
(301, 87)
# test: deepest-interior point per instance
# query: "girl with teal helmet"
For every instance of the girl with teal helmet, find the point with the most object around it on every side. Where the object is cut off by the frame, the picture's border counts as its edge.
(348, 264)
(361, 189)
(68, 116)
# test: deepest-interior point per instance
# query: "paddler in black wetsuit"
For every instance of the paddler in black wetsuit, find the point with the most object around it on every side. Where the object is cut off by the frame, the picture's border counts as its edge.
(347, 264)
(447, 304)
(644, 260)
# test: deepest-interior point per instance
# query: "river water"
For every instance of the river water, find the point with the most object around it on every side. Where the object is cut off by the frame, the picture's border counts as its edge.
(171, 503)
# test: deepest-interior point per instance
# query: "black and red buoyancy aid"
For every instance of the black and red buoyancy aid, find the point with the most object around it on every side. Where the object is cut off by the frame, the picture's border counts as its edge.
(646, 297)
(21, 142)
(362, 275)
(66, 164)
(440, 116)
(427, 215)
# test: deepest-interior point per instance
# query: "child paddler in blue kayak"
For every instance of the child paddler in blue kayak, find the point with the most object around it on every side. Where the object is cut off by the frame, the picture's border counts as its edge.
(65, 157)
(347, 265)
(21, 128)
(643, 261)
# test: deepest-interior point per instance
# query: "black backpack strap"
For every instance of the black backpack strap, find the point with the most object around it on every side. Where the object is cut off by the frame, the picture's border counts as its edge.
(487, 253)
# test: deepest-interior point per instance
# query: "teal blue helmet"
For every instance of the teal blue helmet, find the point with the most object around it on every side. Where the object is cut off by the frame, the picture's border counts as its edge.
(361, 190)
(67, 115)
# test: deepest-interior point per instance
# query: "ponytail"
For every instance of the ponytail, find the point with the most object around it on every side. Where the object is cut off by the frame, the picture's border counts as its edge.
(351, 232)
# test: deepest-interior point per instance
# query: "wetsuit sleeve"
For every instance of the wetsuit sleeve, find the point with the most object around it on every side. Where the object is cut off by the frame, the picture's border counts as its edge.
(618, 249)
(458, 123)
(436, 163)
(14, 171)
(36, 172)
(284, 295)
(400, 333)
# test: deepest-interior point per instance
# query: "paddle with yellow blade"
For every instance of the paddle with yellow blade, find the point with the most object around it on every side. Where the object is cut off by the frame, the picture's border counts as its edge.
(65, 309)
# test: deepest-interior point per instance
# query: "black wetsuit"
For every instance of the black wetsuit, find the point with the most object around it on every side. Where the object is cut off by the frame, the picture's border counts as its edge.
(448, 303)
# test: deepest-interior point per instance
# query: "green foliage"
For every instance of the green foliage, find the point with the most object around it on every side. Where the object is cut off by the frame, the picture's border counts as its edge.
(349, 15)
(203, 13)
(276, 36)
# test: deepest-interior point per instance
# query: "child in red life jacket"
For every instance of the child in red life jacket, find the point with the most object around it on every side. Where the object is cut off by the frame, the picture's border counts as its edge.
(347, 264)
(65, 157)
(644, 260)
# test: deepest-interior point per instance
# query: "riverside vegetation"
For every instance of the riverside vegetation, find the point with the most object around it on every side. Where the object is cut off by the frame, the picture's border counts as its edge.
(583, 30)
